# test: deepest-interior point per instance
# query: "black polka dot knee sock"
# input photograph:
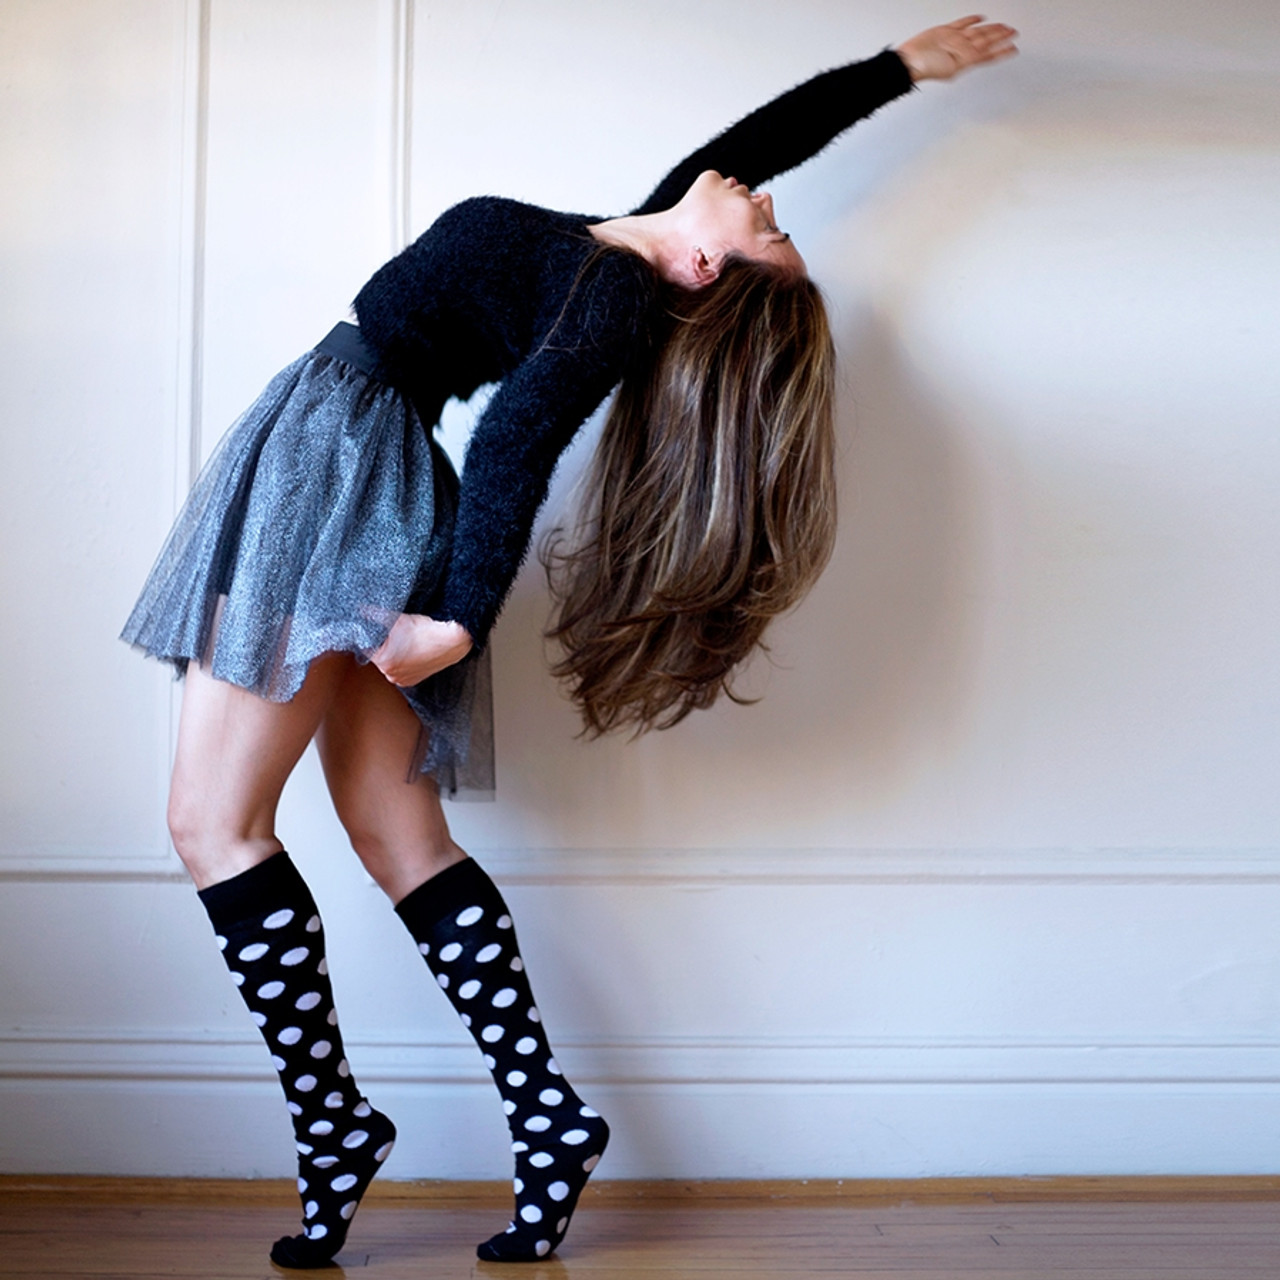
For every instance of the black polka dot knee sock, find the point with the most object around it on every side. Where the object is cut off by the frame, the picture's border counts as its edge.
(464, 931)
(273, 943)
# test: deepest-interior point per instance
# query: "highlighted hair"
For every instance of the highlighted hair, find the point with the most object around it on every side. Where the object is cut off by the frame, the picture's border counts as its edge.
(710, 503)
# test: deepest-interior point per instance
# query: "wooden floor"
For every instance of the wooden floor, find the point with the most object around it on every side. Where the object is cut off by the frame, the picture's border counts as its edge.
(1086, 1229)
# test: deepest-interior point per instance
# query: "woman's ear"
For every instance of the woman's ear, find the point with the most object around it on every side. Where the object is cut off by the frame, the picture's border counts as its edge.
(702, 271)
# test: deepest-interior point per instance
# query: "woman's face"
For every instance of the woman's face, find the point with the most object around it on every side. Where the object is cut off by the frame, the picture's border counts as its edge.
(727, 218)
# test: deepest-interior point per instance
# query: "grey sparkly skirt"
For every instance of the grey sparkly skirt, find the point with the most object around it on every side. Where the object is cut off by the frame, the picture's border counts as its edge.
(324, 513)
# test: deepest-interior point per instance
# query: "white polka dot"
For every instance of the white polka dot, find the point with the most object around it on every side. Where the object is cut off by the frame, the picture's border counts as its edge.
(490, 1061)
(221, 941)
(304, 1084)
(424, 948)
(519, 1147)
(313, 925)
(269, 990)
(237, 978)
(451, 952)
(558, 1190)
(575, 1137)
(534, 1015)
(323, 967)
(542, 1248)
(321, 1049)
(443, 980)
(302, 1185)
(295, 956)
(348, 1210)
(470, 915)
(308, 1001)
(516, 1078)
(321, 1128)
(332, 1019)
(590, 1163)
(344, 1182)
(469, 989)
(278, 1062)
(290, 1035)
(492, 1033)
(294, 1109)
(344, 1069)
(255, 951)
(508, 1108)
(537, 1124)
(383, 1151)
(505, 998)
(311, 1209)
(560, 1226)
(260, 1018)
(318, 1232)
(517, 1185)
(504, 922)
(465, 1019)
(551, 1097)
(333, 1099)
(554, 1067)
(540, 1160)
(491, 952)
(511, 1226)
(278, 919)
(362, 1109)
(517, 964)
(531, 1213)
(527, 1044)
(325, 1162)
(588, 1111)
(305, 1148)
(356, 1138)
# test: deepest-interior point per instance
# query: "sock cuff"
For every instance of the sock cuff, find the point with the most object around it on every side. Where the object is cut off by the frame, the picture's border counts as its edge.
(270, 884)
(465, 884)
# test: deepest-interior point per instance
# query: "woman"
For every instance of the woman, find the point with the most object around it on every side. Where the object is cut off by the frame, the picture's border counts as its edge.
(330, 579)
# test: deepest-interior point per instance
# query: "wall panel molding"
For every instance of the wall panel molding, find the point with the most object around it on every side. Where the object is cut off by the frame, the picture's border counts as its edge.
(783, 867)
(763, 1061)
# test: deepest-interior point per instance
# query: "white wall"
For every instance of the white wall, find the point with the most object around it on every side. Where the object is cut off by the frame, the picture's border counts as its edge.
(988, 883)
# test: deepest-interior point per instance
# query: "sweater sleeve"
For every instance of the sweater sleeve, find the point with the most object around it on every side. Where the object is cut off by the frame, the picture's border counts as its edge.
(526, 426)
(790, 129)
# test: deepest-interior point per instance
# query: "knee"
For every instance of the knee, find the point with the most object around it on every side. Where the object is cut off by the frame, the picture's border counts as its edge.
(400, 865)
(211, 846)
(187, 825)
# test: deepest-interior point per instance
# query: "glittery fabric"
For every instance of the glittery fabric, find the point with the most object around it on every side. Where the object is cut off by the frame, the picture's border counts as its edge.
(325, 512)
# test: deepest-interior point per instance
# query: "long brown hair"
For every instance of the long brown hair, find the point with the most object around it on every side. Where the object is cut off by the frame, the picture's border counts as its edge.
(710, 505)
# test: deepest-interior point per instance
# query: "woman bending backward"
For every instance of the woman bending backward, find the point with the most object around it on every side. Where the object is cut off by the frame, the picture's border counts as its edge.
(330, 578)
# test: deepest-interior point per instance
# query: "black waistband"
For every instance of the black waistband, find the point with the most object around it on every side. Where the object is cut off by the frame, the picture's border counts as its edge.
(345, 342)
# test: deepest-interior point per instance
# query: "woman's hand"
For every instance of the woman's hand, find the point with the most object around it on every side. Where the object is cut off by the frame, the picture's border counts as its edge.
(418, 647)
(942, 52)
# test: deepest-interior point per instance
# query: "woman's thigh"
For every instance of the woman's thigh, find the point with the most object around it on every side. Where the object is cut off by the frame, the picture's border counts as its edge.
(392, 815)
(235, 753)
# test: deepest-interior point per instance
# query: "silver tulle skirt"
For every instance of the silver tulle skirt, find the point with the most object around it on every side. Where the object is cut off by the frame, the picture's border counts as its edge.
(325, 512)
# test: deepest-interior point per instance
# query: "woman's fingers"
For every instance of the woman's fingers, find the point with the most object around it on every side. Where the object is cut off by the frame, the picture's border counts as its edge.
(941, 52)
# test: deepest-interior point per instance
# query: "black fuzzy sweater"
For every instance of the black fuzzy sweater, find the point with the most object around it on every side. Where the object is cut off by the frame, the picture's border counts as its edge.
(495, 291)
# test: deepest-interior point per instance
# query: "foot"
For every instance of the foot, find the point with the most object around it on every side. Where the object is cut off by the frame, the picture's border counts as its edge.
(337, 1160)
(550, 1176)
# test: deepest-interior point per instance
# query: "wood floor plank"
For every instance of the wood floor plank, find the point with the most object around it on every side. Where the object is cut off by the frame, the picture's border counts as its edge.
(45, 1233)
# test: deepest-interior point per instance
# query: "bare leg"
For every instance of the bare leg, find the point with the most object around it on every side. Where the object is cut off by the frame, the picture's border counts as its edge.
(464, 931)
(235, 753)
(396, 826)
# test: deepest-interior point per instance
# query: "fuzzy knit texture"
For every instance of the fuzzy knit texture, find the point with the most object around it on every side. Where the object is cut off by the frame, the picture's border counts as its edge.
(497, 291)
(271, 937)
(465, 933)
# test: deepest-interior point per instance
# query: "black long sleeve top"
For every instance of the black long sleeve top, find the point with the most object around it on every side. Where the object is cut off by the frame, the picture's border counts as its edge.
(500, 291)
